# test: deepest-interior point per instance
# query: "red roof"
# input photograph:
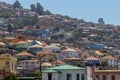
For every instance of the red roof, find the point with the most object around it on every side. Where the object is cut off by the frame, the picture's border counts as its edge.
(24, 54)
(17, 39)
(109, 57)
(58, 62)
(92, 58)
(29, 27)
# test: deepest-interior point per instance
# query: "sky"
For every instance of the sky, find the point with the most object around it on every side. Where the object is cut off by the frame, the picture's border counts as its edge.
(89, 10)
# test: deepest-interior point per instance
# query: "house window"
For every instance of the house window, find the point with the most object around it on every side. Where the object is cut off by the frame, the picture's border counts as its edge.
(113, 77)
(7, 65)
(104, 77)
(15, 66)
(69, 77)
(82, 77)
(77, 77)
(49, 76)
(12, 66)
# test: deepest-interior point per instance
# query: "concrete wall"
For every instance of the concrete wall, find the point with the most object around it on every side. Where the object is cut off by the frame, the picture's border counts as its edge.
(89, 73)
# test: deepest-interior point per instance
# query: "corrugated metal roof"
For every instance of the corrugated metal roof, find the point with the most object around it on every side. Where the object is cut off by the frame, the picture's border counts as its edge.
(66, 66)
(47, 71)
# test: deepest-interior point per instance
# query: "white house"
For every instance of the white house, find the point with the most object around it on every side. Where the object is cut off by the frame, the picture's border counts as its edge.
(67, 72)
(110, 60)
(70, 53)
(53, 48)
(33, 64)
(28, 66)
(28, 63)
(24, 55)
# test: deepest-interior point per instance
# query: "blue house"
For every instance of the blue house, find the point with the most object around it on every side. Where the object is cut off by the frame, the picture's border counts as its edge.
(36, 46)
(28, 31)
(92, 60)
(34, 42)
(97, 46)
(2, 23)
(42, 33)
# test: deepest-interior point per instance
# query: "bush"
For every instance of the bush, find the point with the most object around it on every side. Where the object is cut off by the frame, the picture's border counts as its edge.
(10, 77)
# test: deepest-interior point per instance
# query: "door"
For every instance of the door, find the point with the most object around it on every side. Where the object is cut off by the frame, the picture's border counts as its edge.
(49, 76)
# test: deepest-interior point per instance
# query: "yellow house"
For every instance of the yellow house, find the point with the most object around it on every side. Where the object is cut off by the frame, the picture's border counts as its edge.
(8, 63)
(107, 74)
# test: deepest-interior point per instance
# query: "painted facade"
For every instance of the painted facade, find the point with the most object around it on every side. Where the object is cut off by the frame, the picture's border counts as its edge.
(66, 72)
(107, 74)
(8, 63)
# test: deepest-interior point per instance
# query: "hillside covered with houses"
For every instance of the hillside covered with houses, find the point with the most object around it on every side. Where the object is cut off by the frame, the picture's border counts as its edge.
(34, 40)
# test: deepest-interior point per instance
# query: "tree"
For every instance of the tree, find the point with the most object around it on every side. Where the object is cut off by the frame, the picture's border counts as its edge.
(101, 21)
(39, 75)
(32, 6)
(39, 9)
(56, 29)
(17, 4)
(10, 77)
(104, 65)
(9, 27)
(29, 20)
(47, 12)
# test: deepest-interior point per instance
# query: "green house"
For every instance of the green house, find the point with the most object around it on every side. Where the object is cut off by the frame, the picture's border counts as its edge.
(66, 72)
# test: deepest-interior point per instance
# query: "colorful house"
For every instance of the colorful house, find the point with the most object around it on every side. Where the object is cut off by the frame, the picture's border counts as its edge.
(97, 46)
(42, 33)
(2, 23)
(58, 62)
(112, 61)
(36, 48)
(66, 72)
(37, 42)
(94, 61)
(8, 64)
(107, 75)
(17, 39)
(98, 54)
(85, 54)
(27, 66)
(29, 31)
(24, 55)
(53, 48)
(70, 53)
(21, 45)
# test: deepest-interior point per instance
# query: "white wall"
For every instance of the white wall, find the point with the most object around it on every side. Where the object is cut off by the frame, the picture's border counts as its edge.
(54, 76)
(70, 54)
(89, 73)
(73, 73)
(62, 76)
(112, 62)
(44, 76)
(28, 64)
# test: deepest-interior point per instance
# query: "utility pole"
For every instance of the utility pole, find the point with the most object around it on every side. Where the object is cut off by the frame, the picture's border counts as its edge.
(41, 59)
(40, 67)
